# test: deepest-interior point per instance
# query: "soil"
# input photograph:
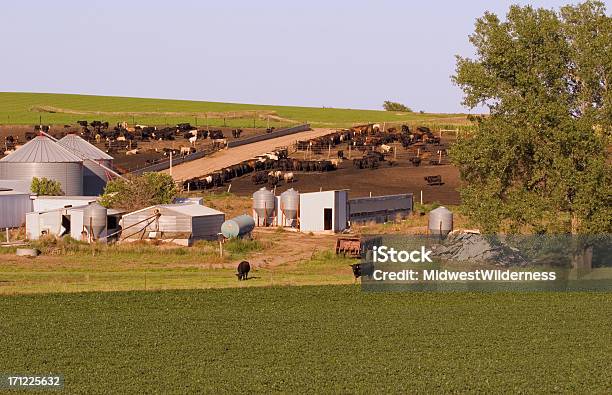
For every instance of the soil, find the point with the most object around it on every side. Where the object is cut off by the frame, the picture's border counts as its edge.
(402, 177)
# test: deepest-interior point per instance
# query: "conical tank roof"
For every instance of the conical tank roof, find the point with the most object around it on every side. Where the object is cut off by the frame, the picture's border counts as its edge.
(41, 149)
(89, 151)
(263, 202)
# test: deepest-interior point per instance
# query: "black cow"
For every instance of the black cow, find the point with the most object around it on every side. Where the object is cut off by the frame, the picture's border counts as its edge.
(243, 270)
(362, 269)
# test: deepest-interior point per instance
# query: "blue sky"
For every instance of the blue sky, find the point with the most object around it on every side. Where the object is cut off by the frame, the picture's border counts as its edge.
(347, 54)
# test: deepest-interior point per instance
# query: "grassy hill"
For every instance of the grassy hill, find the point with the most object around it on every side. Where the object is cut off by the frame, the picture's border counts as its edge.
(50, 108)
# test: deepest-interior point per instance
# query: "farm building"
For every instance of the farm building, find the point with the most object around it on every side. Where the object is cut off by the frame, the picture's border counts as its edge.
(94, 175)
(74, 221)
(13, 208)
(323, 211)
(380, 208)
(47, 203)
(43, 157)
(178, 223)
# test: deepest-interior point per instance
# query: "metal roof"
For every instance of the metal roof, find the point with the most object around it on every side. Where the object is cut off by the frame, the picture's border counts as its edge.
(190, 210)
(76, 143)
(41, 149)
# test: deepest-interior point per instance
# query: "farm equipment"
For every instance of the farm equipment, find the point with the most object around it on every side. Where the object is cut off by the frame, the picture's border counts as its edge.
(348, 246)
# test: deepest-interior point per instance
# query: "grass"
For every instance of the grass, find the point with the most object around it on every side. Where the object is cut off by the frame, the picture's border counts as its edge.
(68, 265)
(25, 108)
(332, 339)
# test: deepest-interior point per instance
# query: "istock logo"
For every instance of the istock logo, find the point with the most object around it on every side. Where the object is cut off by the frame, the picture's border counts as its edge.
(384, 254)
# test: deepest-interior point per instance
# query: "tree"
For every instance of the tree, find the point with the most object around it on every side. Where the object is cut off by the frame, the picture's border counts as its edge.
(393, 106)
(538, 161)
(46, 187)
(136, 192)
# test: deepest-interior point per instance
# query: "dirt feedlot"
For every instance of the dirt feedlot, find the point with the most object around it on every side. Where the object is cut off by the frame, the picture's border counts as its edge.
(381, 181)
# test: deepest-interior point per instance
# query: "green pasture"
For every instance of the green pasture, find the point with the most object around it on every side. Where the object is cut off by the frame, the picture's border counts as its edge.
(33, 108)
(331, 339)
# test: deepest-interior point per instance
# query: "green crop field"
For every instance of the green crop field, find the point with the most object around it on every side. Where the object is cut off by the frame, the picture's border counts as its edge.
(34, 108)
(332, 339)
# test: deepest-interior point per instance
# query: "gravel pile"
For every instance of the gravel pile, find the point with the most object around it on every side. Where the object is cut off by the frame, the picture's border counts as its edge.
(470, 247)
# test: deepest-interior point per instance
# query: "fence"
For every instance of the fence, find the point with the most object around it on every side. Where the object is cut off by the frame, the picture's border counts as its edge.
(165, 163)
(267, 136)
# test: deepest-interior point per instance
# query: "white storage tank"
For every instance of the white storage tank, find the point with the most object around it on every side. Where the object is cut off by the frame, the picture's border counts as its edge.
(43, 157)
(440, 221)
(238, 226)
(264, 207)
(290, 205)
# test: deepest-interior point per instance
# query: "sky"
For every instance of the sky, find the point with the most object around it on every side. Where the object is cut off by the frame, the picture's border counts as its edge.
(344, 54)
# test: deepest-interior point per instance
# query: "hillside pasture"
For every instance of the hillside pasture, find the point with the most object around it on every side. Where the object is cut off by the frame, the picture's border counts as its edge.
(31, 108)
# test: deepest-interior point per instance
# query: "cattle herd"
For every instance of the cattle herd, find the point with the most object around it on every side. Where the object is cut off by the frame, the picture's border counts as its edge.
(124, 137)
(276, 166)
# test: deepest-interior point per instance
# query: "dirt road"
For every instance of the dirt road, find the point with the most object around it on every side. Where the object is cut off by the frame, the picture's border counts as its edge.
(231, 156)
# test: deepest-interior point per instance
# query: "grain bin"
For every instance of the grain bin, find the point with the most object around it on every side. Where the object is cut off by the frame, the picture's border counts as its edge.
(43, 157)
(94, 175)
(289, 205)
(440, 221)
(263, 205)
(94, 219)
(238, 226)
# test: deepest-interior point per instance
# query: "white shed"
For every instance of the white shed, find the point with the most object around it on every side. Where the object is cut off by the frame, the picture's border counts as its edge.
(323, 211)
(178, 223)
(57, 222)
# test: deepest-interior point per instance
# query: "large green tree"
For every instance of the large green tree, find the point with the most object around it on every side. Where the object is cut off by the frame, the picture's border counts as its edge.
(136, 192)
(538, 161)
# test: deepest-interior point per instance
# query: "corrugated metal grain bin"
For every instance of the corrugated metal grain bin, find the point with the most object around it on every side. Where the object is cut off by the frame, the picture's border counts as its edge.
(13, 208)
(94, 176)
(181, 223)
(43, 157)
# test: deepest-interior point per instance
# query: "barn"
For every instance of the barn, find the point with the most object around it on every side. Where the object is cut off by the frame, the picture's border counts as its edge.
(179, 223)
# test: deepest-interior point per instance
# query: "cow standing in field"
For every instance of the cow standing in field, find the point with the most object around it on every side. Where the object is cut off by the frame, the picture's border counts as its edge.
(362, 270)
(243, 270)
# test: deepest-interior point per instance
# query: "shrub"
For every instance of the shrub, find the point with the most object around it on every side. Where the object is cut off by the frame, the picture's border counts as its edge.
(46, 187)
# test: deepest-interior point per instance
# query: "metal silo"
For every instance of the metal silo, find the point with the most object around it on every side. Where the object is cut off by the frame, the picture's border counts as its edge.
(290, 204)
(94, 219)
(94, 176)
(42, 157)
(238, 226)
(440, 221)
(263, 205)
